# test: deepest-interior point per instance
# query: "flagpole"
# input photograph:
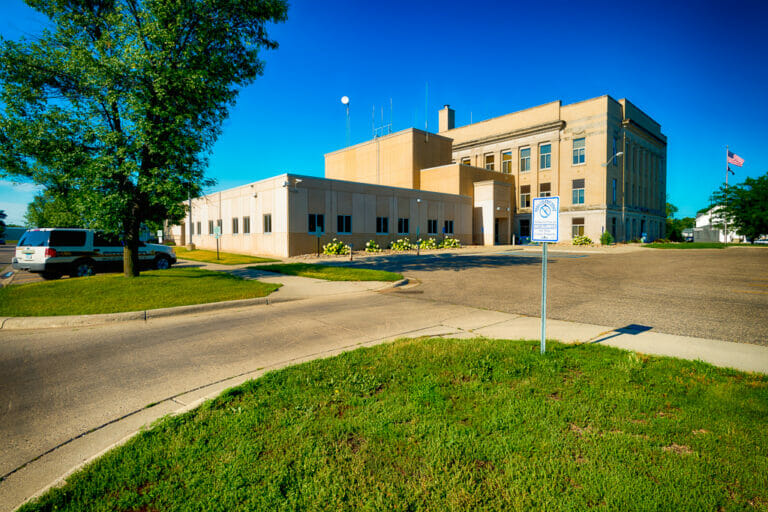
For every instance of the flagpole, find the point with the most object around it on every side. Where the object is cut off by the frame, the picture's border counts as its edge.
(725, 218)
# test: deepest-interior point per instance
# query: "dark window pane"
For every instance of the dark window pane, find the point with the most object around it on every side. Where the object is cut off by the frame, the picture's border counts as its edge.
(106, 240)
(67, 238)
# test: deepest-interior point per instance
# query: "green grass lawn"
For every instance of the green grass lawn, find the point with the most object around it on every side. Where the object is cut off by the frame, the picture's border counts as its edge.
(113, 293)
(225, 258)
(330, 272)
(452, 425)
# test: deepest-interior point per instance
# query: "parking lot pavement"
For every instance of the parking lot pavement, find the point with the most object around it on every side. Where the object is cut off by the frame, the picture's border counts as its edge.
(712, 293)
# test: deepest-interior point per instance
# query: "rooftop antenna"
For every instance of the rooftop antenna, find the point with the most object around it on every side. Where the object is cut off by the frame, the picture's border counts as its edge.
(384, 129)
(426, 110)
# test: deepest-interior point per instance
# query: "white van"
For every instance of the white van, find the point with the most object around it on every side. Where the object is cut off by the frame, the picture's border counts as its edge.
(54, 252)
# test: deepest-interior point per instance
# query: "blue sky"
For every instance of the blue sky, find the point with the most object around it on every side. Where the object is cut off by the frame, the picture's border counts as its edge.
(696, 67)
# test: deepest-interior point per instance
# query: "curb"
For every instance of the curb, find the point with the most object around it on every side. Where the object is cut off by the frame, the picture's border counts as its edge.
(45, 322)
(49, 322)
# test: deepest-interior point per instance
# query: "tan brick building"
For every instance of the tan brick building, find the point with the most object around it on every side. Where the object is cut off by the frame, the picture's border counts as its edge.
(569, 150)
(474, 182)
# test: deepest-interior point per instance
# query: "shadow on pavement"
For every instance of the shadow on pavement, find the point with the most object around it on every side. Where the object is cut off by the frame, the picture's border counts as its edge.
(432, 262)
(633, 329)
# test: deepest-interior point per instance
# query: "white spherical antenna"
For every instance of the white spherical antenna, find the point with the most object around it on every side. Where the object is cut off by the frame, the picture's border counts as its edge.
(345, 100)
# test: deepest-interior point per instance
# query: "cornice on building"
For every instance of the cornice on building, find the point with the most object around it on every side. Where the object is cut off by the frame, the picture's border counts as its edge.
(530, 130)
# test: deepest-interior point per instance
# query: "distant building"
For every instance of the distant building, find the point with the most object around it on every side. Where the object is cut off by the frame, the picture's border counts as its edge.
(472, 182)
(710, 228)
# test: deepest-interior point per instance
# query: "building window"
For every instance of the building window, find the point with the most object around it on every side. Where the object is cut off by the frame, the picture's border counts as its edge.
(246, 225)
(431, 226)
(489, 162)
(613, 227)
(465, 161)
(382, 225)
(545, 189)
(613, 190)
(525, 196)
(316, 223)
(402, 226)
(577, 226)
(267, 223)
(210, 227)
(615, 159)
(545, 156)
(579, 146)
(448, 227)
(578, 191)
(525, 159)
(344, 224)
(235, 222)
(220, 225)
(525, 227)
(506, 162)
(199, 228)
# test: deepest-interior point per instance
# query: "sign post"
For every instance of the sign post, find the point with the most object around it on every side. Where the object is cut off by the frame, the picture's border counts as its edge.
(546, 227)
(217, 234)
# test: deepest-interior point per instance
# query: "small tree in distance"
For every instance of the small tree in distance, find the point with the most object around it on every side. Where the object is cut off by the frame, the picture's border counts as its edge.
(119, 102)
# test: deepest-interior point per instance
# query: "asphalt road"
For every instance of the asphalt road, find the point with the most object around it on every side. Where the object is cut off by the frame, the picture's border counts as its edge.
(716, 294)
(58, 383)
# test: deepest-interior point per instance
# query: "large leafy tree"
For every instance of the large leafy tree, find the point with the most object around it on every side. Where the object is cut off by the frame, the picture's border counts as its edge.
(745, 206)
(120, 101)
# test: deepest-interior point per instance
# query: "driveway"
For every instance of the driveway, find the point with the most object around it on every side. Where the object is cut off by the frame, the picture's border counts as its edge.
(716, 294)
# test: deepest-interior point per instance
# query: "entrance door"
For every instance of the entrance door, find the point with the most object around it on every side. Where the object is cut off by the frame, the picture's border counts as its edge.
(496, 231)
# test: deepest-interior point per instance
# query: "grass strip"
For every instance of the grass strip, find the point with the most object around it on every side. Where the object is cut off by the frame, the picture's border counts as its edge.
(330, 272)
(437, 424)
(114, 293)
(225, 258)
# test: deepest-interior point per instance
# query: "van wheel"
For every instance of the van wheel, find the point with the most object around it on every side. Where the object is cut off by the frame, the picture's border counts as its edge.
(82, 268)
(162, 263)
(50, 275)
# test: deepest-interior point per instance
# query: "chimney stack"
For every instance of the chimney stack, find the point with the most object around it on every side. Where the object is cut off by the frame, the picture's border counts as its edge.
(447, 119)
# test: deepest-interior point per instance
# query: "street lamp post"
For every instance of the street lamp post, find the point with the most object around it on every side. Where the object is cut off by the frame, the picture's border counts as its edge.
(345, 102)
(418, 226)
(606, 164)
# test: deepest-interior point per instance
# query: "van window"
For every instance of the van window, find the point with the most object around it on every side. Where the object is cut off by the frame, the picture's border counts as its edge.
(106, 240)
(34, 239)
(67, 239)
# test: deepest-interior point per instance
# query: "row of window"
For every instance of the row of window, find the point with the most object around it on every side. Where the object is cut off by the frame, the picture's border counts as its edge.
(577, 227)
(316, 224)
(545, 190)
(246, 225)
(545, 157)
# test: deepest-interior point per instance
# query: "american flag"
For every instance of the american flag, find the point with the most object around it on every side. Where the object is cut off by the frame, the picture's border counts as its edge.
(735, 159)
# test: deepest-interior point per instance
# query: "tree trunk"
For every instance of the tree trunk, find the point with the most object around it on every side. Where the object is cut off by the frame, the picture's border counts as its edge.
(131, 266)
